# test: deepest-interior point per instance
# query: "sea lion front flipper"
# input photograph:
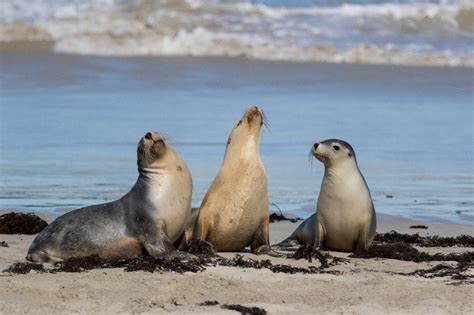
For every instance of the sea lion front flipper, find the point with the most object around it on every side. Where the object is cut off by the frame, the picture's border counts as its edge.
(361, 245)
(319, 239)
(157, 242)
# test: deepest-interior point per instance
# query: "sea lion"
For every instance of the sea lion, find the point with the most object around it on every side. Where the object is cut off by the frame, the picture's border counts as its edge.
(149, 218)
(234, 211)
(345, 216)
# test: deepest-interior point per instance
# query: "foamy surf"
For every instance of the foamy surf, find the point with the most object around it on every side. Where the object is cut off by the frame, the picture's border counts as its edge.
(402, 33)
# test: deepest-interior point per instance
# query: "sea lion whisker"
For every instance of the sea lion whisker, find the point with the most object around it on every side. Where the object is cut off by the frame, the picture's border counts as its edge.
(266, 122)
(311, 157)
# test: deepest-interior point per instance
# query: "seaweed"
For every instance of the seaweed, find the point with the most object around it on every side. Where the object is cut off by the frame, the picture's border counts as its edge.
(4, 244)
(143, 263)
(308, 252)
(275, 217)
(79, 264)
(24, 268)
(239, 261)
(428, 241)
(406, 252)
(457, 273)
(419, 227)
(245, 310)
(200, 248)
(209, 303)
(21, 223)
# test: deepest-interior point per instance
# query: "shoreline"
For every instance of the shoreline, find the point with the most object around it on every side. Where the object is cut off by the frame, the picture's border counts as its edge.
(47, 47)
(385, 222)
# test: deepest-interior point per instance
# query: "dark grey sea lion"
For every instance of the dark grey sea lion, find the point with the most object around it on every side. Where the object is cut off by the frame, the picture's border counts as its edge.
(148, 219)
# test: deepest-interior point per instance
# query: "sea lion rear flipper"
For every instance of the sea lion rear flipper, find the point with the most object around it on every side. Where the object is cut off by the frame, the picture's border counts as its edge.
(260, 243)
(181, 243)
(288, 242)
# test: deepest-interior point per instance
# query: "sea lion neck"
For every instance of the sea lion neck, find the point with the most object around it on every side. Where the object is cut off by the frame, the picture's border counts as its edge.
(243, 150)
(341, 169)
(163, 165)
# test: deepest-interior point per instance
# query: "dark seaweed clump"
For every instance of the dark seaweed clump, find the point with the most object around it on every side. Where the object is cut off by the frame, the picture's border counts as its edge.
(202, 256)
(428, 241)
(209, 303)
(240, 262)
(308, 252)
(457, 273)
(201, 248)
(25, 267)
(406, 252)
(245, 310)
(207, 257)
(80, 264)
(419, 227)
(150, 264)
(3, 244)
(21, 223)
(143, 263)
(277, 217)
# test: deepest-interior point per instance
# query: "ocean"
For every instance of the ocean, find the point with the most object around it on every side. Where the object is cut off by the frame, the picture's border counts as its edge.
(69, 126)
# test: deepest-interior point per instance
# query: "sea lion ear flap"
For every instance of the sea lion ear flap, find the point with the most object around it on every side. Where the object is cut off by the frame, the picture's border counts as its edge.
(349, 154)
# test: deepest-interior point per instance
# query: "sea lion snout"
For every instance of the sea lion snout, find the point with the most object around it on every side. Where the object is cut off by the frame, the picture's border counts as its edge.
(153, 136)
(252, 113)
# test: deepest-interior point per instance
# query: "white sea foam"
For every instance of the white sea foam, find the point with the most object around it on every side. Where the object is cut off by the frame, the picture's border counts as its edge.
(407, 32)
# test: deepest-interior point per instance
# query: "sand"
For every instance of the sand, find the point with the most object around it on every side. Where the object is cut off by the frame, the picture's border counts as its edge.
(365, 286)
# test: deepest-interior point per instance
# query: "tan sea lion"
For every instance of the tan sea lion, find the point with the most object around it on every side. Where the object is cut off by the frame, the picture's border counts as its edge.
(234, 211)
(345, 216)
(149, 218)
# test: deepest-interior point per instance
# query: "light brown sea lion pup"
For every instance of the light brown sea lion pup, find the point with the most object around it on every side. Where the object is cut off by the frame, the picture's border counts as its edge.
(345, 216)
(234, 211)
(148, 219)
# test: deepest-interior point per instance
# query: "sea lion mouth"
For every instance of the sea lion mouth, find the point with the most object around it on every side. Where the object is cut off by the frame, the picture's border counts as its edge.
(321, 157)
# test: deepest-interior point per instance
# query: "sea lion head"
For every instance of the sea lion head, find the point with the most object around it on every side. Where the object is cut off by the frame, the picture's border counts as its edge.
(333, 152)
(151, 147)
(248, 127)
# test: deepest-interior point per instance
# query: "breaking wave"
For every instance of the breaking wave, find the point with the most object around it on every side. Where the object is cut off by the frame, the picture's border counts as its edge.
(357, 31)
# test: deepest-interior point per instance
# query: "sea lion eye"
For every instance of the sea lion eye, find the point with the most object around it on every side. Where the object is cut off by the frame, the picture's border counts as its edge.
(336, 147)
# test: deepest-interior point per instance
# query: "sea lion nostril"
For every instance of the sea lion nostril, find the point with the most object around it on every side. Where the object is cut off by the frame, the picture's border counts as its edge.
(315, 146)
(148, 135)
